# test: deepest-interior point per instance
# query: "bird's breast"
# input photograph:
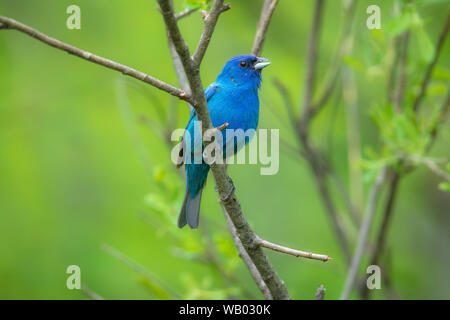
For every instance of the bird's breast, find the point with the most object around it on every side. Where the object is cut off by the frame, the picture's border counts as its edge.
(238, 107)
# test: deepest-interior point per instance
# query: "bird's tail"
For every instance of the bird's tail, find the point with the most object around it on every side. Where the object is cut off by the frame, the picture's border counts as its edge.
(195, 181)
(190, 211)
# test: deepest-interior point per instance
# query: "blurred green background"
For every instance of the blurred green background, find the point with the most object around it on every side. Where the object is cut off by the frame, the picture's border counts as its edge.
(79, 170)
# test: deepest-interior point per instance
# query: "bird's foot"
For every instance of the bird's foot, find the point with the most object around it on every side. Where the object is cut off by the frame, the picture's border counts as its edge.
(232, 188)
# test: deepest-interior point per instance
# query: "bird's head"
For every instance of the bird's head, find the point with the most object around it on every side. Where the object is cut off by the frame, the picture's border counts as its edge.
(243, 70)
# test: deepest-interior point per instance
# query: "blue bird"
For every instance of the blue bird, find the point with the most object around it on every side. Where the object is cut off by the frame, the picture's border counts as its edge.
(233, 99)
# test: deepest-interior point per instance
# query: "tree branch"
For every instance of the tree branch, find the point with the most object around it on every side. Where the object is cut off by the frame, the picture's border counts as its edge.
(263, 24)
(433, 62)
(14, 25)
(402, 64)
(310, 75)
(246, 258)
(242, 253)
(310, 153)
(381, 236)
(293, 252)
(210, 23)
(185, 13)
(345, 41)
(320, 293)
(363, 233)
(231, 204)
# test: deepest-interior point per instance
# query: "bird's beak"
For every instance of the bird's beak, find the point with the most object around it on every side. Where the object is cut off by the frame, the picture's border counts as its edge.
(261, 63)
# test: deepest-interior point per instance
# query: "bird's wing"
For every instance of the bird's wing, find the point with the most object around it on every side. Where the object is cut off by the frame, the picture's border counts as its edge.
(209, 92)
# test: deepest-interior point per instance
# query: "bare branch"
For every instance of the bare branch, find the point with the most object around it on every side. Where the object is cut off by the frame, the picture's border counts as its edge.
(363, 233)
(185, 13)
(263, 25)
(210, 23)
(246, 258)
(345, 44)
(402, 64)
(433, 62)
(91, 294)
(141, 270)
(311, 155)
(174, 34)
(443, 113)
(12, 24)
(319, 172)
(310, 75)
(293, 252)
(210, 133)
(350, 96)
(381, 236)
(320, 293)
(289, 106)
(179, 70)
(434, 168)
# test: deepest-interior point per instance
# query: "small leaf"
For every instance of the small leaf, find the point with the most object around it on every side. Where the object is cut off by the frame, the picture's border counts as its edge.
(400, 24)
(444, 186)
(354, 63)
(426, 47)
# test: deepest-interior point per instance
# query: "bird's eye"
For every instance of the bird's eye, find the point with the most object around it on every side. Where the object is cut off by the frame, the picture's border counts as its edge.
(243, 63)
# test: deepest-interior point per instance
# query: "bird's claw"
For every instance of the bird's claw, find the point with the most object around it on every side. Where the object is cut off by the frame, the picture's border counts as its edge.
(232, 188)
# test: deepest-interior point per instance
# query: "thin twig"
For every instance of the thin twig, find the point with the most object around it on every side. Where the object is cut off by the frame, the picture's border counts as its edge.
(382, 233)
(430, 67)
(319, 172)
(310, 74)
(293, 252)
(263, 25)
(363, 233)
(320, 293)
(210, 23)
(289, 106)
(185, 13)
(303, 126)
(139, 269)
(350, 97)
(14, 25)
(434, 168)
(345, 41)
(402, 64)
(246, 259)
(91, 294)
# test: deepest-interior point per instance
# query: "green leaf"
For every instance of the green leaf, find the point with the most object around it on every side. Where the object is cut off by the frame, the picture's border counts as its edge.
(426, 47)
(155, 288)
(400, 24)
(424, 3)
(194, 4)
(440, 73)
(444, 186)
(354, 63)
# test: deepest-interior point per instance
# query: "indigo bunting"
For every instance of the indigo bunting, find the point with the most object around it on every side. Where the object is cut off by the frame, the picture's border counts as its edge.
(233, 99)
